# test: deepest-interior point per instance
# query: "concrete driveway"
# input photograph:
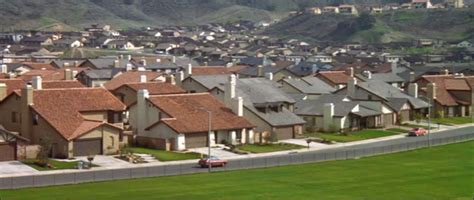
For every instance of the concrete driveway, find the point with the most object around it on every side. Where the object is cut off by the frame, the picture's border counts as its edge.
(104, 161)
(215, 151)
(9, 168)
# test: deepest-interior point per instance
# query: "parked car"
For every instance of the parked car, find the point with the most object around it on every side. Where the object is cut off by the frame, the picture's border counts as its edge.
(213, 161)
(417, 132)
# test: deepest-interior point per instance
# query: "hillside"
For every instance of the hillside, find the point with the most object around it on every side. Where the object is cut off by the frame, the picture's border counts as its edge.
(394, 26)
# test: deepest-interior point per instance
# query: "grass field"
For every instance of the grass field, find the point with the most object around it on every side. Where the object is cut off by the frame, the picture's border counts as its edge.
(397, 130)
(354, 136)
(265, 148)
(453, 120)
(438, 173)
(162, 155)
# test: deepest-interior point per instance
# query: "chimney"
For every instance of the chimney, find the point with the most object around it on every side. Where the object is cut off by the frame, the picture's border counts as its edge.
(413, 90)
(174, 59)
(66, 65)
(412, 77)
(351, 71)
(230, 90)
(3, 91)
(171, 80)
(26, 102)
(76, 63)
(189, 70)
(206, 63)
(129, 57)
(431, 91)
(269, 76)
(368, 74)
(394, 66)
(158, 60)
(238, 106)
(74, 74)
(228, 65)
(116, 63)
(180, 78)
(351, 87)
(141, 114)
(328, 115)
(446, 72)
(260, 71)
(129, 67)
(67, 74)
(37, 82)
(143, 62)
(143, 79)
(4, 69)
(121, 57)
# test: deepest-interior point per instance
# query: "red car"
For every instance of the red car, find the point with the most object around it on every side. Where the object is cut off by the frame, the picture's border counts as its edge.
(418, 132)
(213, 161)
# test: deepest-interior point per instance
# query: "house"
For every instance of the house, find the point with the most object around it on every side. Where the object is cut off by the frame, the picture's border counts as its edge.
(265, 104)
(452, 96)
(312, 87)
(376, 10)
(336, 79)
(97, 77)
(127, 93)
(278, 69)
(330, 9)
(454, 3)
(421, 4)
(131, 77)
(320, 58)
(348, 9)
(464, 44)
(37, 41)
(68, 43)
(338, 113)
(77, 121)
(314, 10)
(180, 121)
(304, 68)
(12, 145)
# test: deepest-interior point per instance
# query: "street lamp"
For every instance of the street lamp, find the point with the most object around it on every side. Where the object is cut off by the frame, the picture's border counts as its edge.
(430, 102)
(209, 165)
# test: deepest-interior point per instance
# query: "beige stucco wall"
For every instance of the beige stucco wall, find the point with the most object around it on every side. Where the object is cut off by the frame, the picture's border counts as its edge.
(10, 105)
(129, 95)
(110, 138)
(96, 116)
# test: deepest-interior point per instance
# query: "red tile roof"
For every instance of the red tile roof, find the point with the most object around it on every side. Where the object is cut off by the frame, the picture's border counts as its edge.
(156, 88)
(130, 77)
(444, 84)
(62, 108)
(187, 116)
(62, 84)
(335, 77)
(39, 66)
(13, 84)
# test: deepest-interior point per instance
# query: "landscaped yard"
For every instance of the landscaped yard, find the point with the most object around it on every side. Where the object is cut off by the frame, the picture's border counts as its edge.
(453, 120)
(397, 130)
(162, 155)
(429, 174)
(265, 148)
(56, 165)
(351, 137)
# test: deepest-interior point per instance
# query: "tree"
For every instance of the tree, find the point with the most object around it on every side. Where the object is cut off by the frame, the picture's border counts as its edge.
(45, 148)
(365, 21)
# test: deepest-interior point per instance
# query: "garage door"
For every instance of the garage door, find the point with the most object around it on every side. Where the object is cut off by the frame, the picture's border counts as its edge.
(195, 140)
(388, 119)
(284, 133)
(88, 147)
(7, 152)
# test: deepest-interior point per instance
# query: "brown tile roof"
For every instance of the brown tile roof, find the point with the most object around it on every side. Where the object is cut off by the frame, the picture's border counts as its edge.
(187, 116)
(130, 77)
(62, 108)
(216, 70)
(62, 84)
(39, 66)
(13, 84)
(156, 88)
(443, 96)
(335, 77)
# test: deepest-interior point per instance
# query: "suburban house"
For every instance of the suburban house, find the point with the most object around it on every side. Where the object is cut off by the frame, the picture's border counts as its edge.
(338, 113)
(97, 77)
(180, 121)
(421, 4)
(404, 106)
(348, 9)
(451, 95)
(310, 86)
(12, 145)
(336, 79)
(265, 104)
(76, 121)
(131, 77)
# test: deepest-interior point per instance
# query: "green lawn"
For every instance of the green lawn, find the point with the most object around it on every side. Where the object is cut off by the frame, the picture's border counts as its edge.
(397, 130)
(438, 173)
(162, 155)
(265, 148)
(57, 165)
(453, 120)
(354, 136)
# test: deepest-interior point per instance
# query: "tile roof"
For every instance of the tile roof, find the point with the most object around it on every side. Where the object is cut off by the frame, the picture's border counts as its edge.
(62, 84)
(39, 66)
(130, 77)
(13, 84)
(445, 83)
(156, 88)
(62, 108)
(335, 77)
(187, 116)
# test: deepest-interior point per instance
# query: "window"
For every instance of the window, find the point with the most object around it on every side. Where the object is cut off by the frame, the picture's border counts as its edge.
(14, 117)
(112, 141)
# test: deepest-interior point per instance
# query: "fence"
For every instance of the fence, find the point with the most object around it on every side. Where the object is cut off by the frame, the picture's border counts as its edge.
(244, 163)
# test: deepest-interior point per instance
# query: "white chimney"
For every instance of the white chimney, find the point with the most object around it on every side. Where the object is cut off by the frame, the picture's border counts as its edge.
(230, 90)
(121, 57)
(351, 87)
(67, 74)
(4, 69)
(413, 90)
(116, 63)
(446, 72)
(141, 114)
(189, 70)
(229, 65)
(238, 106)
(351, 71)
(394, 66)
(143, 62)
(174, 59)
(143, 79)
(158, 60)
(37, 82)
(180, 78)
(328, 115)
(432, 90)
(76, 63)
(66, 65)
(129, 67)
(269, 76)
(368, 74)
(74, 74)
(412, 76)
(3, 91)
(129, 57)
(171, 80)
(260, 71)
